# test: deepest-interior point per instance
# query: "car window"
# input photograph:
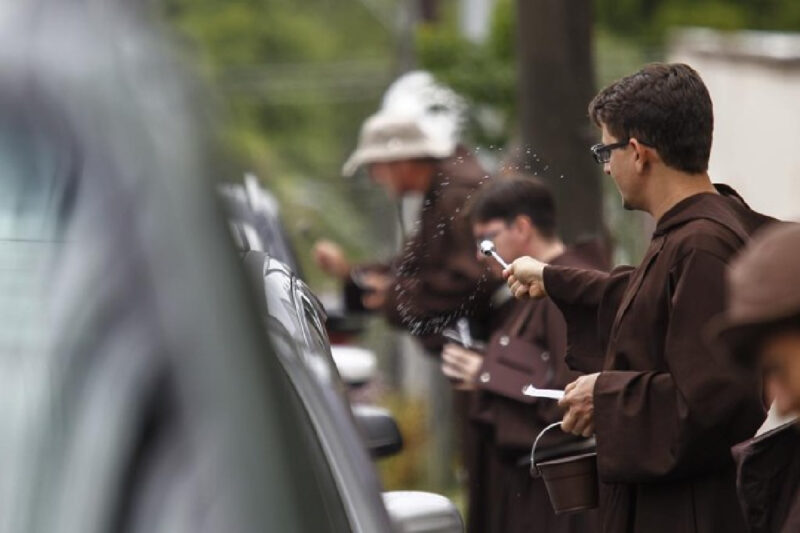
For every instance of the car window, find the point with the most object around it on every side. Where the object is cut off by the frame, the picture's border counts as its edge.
(254, 215)
(29, 166)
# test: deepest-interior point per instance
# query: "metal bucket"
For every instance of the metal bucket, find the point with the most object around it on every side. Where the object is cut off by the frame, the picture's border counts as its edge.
(571, 481)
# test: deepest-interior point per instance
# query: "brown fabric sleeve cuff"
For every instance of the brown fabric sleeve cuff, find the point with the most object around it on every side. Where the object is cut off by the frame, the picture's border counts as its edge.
(552, 281)
(557, 283)
(610, 455)
(584, 349)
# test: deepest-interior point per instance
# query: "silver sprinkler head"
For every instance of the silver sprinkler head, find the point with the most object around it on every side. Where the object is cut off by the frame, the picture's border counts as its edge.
(487, 248)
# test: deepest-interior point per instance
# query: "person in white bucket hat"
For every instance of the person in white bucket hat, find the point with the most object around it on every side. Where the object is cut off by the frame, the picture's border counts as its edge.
(388, 136)
(418, 118)
(411, 146)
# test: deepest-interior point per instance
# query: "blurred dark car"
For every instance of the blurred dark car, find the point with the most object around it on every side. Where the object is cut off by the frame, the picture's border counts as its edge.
(140, 392)
(254, 217)
(295, 321)
(255, 220)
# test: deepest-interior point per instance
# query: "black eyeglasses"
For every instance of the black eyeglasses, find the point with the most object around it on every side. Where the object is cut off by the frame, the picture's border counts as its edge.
(602, 152)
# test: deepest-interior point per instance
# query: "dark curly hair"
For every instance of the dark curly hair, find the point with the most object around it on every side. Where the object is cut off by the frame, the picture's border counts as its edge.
(666, 106)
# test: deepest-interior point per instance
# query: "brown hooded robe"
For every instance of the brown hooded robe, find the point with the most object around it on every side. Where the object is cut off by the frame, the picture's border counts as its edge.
(666, 409)
(437, 276)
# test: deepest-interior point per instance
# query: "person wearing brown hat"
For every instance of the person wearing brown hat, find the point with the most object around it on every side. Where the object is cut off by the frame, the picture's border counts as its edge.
(761, 328)
(664, 410)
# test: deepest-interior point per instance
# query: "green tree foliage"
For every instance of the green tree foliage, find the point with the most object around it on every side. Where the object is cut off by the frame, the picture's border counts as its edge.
(649, 20)
(485, 73)
(295, 80)
(296, 73)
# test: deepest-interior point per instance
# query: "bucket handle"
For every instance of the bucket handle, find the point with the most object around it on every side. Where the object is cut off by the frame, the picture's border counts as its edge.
(534, 469)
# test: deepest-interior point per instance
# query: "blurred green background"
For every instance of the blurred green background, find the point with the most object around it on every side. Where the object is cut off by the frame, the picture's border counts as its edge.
(294, 80)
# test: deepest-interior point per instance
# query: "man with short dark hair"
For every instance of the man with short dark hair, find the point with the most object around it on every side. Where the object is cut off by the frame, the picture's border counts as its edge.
(663, 408)
(527, 346)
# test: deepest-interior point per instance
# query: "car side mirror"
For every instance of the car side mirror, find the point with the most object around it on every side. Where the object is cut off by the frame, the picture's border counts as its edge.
(356, 365)
(379, 430)
(422, 512)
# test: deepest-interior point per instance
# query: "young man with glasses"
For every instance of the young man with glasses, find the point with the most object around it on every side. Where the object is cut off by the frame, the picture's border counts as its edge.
(527, 345)
(664, 409)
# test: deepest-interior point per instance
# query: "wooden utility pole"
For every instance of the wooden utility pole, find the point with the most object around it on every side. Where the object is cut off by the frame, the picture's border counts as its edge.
(429, 11)
(556, 83)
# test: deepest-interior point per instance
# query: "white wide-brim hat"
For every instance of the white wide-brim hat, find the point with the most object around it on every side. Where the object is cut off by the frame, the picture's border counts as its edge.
(389, 136)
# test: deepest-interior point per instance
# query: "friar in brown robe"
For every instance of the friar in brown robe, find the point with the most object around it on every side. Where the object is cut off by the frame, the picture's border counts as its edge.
(760, 327)
(435, 278)
(527, 346)
(663, 407)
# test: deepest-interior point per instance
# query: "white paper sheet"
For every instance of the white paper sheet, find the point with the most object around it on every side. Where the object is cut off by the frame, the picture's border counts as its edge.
(554, 394)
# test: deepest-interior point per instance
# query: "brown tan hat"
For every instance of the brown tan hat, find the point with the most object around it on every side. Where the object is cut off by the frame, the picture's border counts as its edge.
(763, 288)
(389, 136)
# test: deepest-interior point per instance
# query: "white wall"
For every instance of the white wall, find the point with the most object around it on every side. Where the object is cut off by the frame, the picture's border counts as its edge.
(475, 18)
(754, 81)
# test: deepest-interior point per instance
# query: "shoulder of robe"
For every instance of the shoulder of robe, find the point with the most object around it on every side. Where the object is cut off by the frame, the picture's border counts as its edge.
(702, 236)
(455, 198)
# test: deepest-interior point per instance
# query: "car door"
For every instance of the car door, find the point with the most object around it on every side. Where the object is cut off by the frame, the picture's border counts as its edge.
(294, 320)
(139, 391)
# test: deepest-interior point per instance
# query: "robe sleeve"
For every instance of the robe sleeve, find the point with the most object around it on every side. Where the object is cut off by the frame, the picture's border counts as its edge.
(451, 290)
(588, 299)
(424, 298)
(439, 282)
(680, 422)
(353, 293)
(556, 328)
